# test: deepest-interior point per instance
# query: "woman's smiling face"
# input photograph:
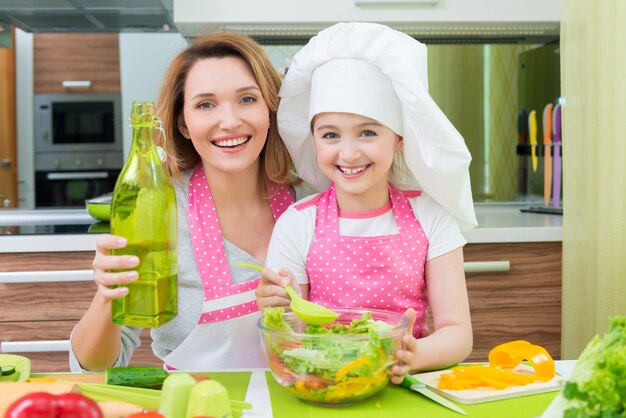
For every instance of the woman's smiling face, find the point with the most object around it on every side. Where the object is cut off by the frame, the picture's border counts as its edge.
(225, 115)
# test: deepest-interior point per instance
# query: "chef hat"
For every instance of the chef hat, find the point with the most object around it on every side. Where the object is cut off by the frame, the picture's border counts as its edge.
(377, 72)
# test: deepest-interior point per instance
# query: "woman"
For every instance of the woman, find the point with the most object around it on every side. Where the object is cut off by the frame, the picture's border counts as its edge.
(232, 177)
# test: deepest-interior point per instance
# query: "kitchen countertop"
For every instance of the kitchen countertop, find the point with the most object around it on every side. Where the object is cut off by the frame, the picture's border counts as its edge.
(52, 230)
(258, 388)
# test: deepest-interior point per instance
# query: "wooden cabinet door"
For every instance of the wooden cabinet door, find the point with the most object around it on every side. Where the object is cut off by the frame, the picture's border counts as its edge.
(523, 303)
(48, 311)
(60, 57)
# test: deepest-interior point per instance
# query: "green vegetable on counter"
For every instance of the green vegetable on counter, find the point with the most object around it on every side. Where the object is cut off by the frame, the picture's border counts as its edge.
(14, 368)
(597, 386)
(149, 377)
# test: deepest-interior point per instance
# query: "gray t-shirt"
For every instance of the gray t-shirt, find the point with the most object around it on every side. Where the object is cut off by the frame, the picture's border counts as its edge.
(190, 292)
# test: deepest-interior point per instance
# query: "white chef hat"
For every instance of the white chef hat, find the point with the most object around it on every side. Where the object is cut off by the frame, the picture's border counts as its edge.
(377, 72)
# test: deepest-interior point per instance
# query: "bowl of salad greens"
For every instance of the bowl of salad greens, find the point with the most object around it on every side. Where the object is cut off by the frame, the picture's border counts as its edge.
(336, 364)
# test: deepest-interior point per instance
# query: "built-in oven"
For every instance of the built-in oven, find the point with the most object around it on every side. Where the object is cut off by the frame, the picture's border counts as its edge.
(78, 148)
(70, 189)
(78, 123)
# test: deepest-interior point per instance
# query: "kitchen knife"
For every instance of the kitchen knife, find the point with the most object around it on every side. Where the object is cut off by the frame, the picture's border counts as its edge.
(556, 145)
(532, 134)
(419, 387)
(547, 157)
(522, 137)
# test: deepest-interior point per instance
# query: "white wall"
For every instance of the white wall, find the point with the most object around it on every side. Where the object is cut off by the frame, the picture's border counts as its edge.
(24, 113)
(144, 57)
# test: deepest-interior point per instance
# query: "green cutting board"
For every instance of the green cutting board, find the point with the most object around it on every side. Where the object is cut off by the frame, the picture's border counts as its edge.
(397, 402)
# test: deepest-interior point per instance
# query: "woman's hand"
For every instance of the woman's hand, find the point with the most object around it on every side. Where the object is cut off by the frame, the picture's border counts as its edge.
(103, 262)
(407, 355)
(271, 289)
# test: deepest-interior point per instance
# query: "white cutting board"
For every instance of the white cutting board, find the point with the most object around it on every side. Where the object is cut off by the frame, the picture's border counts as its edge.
(471, 396)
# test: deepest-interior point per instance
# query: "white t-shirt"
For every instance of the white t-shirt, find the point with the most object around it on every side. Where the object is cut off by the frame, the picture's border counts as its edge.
(295, 230)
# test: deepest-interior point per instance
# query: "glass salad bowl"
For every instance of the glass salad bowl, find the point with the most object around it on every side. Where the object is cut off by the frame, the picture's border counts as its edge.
(337, 364)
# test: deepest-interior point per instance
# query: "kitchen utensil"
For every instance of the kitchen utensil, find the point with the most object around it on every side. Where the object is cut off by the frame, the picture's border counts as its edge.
(556, 145)
(333, 368)
(532, 134)
(473, 396)
(309, 312)
(547, 157)
(522, 138)
(100, 207)
(419, 387)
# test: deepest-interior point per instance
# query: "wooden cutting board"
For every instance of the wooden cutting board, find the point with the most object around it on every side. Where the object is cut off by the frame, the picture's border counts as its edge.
(473, 396)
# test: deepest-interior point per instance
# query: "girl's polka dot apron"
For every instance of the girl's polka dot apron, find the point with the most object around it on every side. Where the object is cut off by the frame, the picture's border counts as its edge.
(381, 272)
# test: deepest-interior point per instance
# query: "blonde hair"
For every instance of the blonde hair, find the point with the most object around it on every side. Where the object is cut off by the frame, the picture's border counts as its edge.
(275, 162)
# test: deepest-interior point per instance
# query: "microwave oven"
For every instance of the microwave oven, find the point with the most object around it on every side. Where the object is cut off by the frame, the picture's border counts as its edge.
(78, 123)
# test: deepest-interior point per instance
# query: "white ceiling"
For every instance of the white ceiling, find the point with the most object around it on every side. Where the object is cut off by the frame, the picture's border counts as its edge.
(88, 15)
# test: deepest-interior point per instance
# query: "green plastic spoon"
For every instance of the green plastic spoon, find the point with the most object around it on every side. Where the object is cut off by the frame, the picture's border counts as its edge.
(309, 312)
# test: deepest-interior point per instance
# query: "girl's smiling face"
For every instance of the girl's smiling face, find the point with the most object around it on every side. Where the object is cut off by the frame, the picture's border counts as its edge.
(356, 153)
(225, 115)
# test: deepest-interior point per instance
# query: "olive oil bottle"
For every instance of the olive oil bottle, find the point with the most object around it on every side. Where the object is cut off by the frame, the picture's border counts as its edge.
(143, 211)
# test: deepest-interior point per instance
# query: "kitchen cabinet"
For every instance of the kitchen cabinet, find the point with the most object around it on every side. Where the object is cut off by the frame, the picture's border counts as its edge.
(60, 58)
(38, 314)
(522, 303)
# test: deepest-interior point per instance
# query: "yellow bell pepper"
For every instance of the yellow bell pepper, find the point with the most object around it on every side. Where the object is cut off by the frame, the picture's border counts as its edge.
(511, 354)
(498, 374)
(355, 364)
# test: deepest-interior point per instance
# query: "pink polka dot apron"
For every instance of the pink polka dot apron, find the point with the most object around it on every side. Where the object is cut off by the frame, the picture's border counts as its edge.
(226, 335)
(382, 272)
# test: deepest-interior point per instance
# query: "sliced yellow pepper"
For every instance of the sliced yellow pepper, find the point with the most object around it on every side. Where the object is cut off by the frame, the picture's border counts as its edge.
(355, 364)
(503, 357)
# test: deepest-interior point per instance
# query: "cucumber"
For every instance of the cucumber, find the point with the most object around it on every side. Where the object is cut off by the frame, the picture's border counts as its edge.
(7, 370)
(150, 377)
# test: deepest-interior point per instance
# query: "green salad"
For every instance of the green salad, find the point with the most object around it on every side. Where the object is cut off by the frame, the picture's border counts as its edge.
(333, 365)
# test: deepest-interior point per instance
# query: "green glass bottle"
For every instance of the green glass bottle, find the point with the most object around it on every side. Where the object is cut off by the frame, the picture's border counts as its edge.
(144, 212)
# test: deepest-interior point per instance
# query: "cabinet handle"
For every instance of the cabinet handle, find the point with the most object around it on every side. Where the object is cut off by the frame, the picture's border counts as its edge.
(46, 276)
(73, 84)
(34, 346)
(81, 175)
(486, 266)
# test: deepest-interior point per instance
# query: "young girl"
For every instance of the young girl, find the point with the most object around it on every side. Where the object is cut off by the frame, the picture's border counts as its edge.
(231, 173)
(355, 113)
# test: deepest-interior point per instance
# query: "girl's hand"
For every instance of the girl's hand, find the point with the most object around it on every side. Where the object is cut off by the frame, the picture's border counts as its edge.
(103, 262)
(271, 289)
(407, 355)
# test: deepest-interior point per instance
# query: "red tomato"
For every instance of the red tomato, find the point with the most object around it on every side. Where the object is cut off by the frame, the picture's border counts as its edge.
(34, 405)
(75, 405)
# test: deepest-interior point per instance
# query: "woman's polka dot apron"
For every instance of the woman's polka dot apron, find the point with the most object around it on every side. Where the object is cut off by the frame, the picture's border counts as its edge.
(226, 331)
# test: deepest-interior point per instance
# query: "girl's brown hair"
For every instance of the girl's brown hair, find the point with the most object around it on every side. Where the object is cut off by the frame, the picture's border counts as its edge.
(275, 164)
